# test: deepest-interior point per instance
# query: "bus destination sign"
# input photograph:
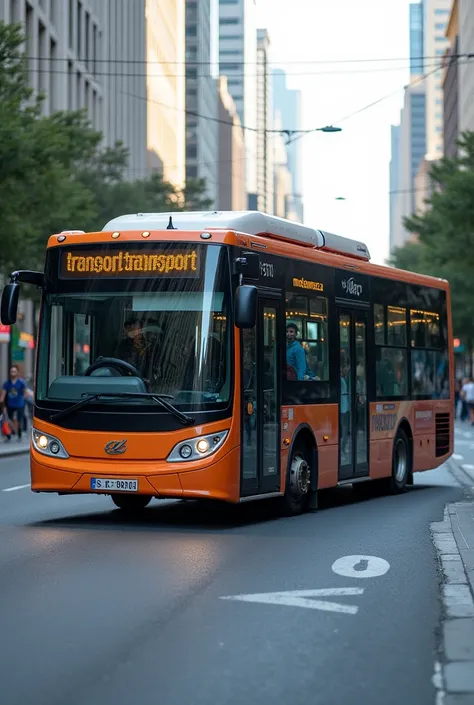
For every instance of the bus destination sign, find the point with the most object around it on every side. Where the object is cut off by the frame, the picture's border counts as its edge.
(124, 264)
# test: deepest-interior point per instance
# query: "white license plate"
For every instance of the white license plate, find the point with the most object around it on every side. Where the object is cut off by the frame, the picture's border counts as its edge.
(104, 484)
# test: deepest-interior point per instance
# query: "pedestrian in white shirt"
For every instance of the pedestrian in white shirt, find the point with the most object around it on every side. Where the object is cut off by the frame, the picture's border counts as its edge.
(468, 396)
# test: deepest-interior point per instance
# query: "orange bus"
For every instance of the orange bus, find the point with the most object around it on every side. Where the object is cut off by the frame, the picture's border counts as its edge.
(233, 356)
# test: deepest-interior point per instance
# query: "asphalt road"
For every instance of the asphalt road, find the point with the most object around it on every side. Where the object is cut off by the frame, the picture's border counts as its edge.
(95, 609)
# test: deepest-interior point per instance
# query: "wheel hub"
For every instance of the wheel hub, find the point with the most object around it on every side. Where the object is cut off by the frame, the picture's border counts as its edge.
(300, 476)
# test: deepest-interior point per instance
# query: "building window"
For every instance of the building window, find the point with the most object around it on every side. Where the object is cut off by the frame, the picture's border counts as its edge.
(229, 20)
(79, 29)
(191, 172)
(441, 11)
(440, 39)
(191, 151)
(230, 36)
(191, 30)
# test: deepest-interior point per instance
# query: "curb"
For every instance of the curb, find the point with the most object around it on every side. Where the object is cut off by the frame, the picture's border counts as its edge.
(454, 672)
(14, 451)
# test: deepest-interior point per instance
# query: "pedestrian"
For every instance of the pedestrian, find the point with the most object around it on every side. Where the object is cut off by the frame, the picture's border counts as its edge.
(468, 397)
(12, 400)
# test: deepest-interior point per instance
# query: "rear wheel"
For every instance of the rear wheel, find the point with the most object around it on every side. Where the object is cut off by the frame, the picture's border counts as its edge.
(298, 480)
(131, 502)
(401, 464)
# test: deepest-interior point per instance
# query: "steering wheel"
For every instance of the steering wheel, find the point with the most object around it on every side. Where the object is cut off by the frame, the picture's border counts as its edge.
(115, 363)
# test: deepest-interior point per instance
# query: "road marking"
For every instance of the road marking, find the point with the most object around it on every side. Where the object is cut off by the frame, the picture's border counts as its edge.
(18, 487)
(360, 566)
(456, 456)
(302, 598)
(467, 467)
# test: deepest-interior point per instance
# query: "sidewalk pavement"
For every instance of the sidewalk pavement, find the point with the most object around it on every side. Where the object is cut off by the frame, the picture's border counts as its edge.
(454, 541)
(14, 447)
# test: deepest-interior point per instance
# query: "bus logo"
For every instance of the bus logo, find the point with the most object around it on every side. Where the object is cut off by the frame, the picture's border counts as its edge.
(116, 447)
(350, 287)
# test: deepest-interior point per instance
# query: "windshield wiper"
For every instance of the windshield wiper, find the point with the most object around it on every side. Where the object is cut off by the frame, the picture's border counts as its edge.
(161, 399)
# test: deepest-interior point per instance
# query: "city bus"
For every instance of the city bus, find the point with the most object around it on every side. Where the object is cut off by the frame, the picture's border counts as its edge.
(233, 356)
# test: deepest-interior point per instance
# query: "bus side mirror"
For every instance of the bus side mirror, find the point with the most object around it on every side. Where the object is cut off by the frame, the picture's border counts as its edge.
(245, 306)
(9, 306)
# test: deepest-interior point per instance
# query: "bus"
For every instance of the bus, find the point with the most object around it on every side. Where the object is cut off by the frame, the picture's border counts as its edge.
(233, 356)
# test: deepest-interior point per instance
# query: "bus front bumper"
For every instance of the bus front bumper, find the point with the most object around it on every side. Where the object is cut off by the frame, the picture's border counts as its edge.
(218, 480)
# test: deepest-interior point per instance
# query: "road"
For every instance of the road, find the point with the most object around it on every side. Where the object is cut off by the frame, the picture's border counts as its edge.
(95, 609)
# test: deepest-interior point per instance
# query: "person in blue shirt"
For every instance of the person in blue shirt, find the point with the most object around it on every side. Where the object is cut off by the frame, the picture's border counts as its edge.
(13, 400)
(295, 354)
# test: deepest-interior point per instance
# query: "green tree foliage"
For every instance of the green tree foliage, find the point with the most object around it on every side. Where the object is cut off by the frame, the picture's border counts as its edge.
(445, 246)
(55, 173)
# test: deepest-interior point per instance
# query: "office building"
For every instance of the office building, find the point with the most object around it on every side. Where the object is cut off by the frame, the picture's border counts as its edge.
(238, 50)
(394, 180)
(264, 125)
(410, 139)
(466, 67)
(287, 102)
(416, 39)
(232, 194)
(451, 85)
(74, 60)
(165, 86)
(202, 64)
(435, 19)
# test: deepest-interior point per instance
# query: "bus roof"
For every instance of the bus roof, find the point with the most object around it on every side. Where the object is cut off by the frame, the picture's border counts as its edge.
(248, 222)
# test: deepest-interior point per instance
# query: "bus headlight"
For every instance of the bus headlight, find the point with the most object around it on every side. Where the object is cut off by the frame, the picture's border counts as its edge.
(196, 448)
(48, 445)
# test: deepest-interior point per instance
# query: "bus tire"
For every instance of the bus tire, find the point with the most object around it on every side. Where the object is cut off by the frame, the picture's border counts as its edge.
(131, 503)
(298, 479)
(401, 464)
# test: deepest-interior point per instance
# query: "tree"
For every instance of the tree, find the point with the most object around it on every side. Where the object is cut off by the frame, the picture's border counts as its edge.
(445, 246)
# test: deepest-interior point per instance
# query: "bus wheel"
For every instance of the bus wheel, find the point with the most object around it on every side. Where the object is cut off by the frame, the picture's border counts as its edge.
(131, 502)
(401, 459)
(298, 480)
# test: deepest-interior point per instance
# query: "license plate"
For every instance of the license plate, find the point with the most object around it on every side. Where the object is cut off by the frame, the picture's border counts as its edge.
(101, 483)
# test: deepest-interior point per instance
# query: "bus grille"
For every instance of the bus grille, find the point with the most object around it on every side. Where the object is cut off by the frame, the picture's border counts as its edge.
(442, 434)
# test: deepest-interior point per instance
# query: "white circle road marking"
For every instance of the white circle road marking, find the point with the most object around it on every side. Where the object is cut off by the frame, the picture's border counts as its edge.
(456, 456)
(360, 566)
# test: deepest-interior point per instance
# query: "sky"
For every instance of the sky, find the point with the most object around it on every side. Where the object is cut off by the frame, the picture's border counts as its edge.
(354, 163)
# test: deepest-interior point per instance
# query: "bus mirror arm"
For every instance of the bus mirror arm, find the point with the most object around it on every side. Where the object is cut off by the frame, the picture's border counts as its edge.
(11, 293)
(245, 306)
(27, 276)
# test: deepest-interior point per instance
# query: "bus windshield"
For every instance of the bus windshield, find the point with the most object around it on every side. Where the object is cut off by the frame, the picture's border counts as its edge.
(174, 330)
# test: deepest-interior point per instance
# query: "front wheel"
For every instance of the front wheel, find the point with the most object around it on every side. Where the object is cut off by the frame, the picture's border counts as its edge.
(131, 503)
(298, 480)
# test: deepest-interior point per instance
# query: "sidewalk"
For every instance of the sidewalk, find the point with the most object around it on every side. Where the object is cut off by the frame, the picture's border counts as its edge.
(454, 541)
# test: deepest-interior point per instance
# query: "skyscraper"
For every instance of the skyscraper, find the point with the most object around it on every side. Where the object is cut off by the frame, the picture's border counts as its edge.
(287, 102)
(264, 125)
(202, 134)
(416, 39)
(165, 86)
(435, 18)
(237, 51)
(394, 181)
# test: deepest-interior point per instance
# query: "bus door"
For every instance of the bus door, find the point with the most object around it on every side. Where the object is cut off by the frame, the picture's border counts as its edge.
(260, 381)
(353, 404)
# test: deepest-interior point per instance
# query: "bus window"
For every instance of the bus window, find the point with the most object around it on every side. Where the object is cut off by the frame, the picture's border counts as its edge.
(307, 335)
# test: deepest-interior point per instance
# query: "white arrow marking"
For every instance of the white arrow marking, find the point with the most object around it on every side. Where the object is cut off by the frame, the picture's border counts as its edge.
(301, 598)
(360, 566)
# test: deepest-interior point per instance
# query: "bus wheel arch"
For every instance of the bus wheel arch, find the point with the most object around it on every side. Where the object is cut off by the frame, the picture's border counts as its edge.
(301, 482)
